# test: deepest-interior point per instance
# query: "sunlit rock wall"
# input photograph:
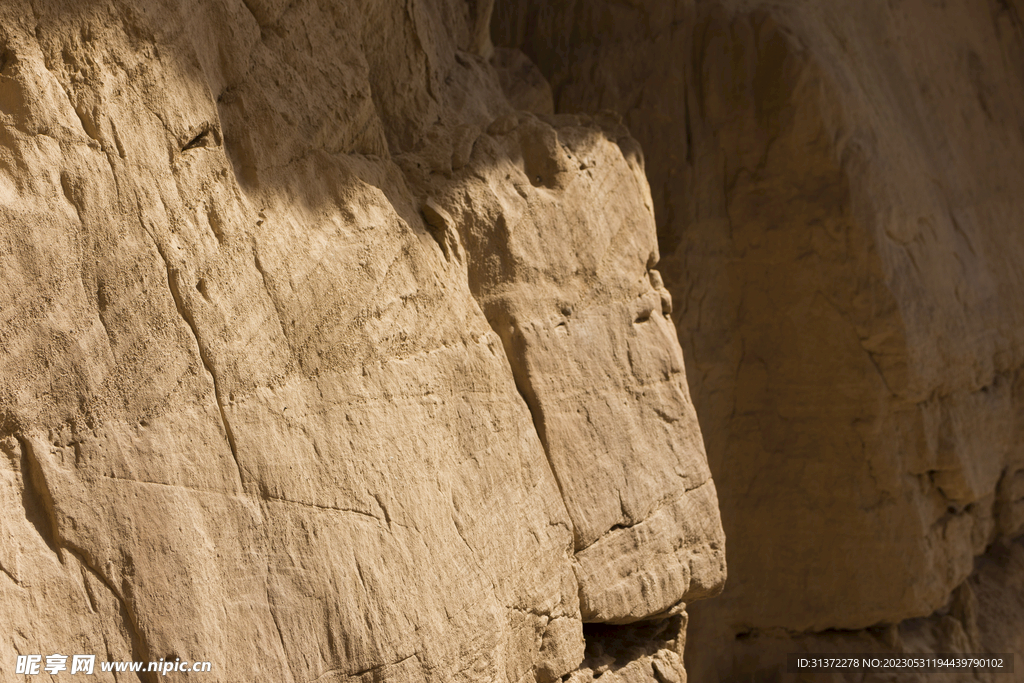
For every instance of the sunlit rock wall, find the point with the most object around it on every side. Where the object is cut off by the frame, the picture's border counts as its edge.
(324, 357)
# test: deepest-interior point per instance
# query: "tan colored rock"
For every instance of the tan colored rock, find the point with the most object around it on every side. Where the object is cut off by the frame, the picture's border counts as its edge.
(575, 302)
(257, 403)
(837, 186)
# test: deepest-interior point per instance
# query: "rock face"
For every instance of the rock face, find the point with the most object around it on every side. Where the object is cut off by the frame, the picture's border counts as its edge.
(838, 189)
(328, 354)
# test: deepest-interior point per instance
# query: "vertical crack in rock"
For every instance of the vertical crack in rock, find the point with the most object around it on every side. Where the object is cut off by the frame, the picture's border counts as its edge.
(40, 510)
(277, 627)
(525, 390)
(248, 5)
(186, 315)
(517, 297)
(17, 461)
(35, 497)
(140, 649)
(270, 292)
(9, 575)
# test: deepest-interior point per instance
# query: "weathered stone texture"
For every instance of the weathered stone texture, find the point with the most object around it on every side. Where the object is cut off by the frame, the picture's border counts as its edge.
(318, 360)
(838, 194)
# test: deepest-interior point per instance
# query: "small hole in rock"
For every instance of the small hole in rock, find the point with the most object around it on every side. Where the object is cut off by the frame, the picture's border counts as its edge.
(205, 138)
(197, 141)
(201, 286)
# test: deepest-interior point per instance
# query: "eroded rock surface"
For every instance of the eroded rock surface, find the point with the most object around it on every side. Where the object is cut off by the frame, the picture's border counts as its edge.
(838, 191)
(583, 319)
(319, 361)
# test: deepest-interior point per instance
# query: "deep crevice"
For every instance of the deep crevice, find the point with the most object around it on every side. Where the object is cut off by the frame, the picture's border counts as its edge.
(613, 647)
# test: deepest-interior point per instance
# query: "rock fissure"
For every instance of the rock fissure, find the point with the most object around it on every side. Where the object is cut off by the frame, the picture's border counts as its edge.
(183, 487)
(362, 513)
(270, 292)
(174, 286)
(140, 650)
(277, 629)
(36, 498)
(363, 672)
(625, 526)
(42, 501)
(6, 572)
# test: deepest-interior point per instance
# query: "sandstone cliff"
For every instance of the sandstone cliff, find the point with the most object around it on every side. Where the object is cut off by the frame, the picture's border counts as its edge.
(838, 187)
(335, 343)
(327, 354)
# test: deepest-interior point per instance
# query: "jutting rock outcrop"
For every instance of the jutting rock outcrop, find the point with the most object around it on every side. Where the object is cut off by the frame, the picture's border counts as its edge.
(327, 353)
(838, 188)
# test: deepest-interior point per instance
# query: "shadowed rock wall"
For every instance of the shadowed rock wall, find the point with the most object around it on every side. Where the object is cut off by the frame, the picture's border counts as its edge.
(838, 193)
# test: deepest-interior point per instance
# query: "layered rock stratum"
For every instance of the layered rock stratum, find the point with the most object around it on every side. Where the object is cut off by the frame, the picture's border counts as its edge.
(838, 188)
(328, 353)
